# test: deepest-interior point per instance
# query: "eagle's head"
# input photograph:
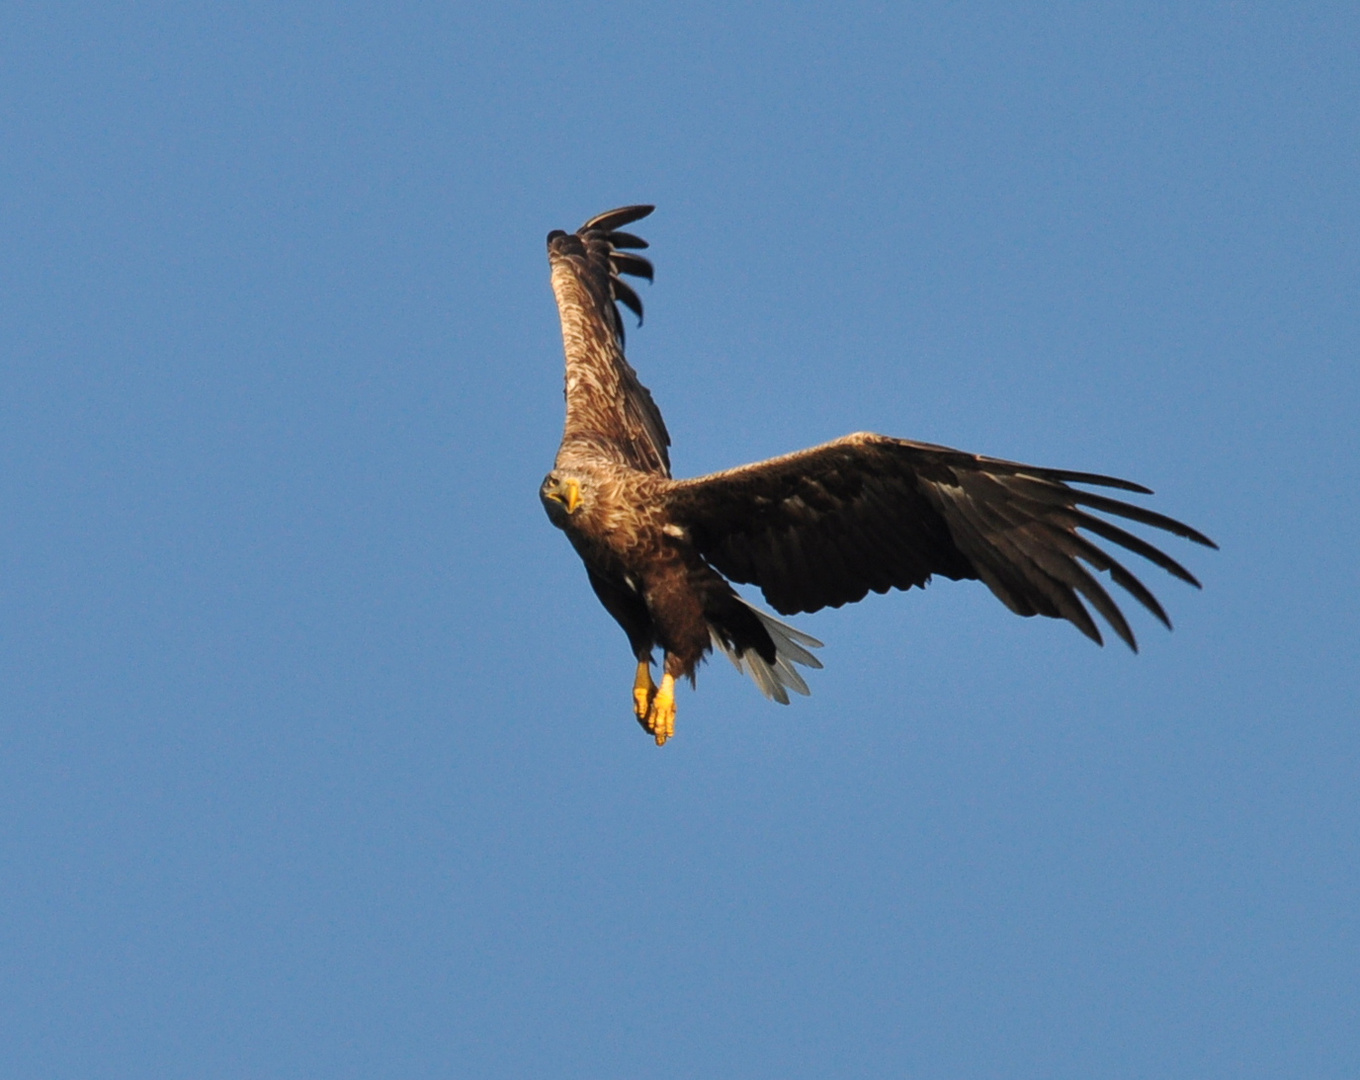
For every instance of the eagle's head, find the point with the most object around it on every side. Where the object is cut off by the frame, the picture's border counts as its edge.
(562, 497)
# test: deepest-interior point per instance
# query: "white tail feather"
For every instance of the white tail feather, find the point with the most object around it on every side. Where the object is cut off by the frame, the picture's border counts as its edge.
(790, 646)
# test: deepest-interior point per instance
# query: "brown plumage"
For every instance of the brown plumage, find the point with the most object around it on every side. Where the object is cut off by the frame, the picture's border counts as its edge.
(818, 528)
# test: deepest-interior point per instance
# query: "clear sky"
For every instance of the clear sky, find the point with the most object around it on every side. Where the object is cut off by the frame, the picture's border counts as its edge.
(316, 753)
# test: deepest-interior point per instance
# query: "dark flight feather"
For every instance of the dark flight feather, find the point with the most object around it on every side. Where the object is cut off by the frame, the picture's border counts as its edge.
(613, 219)
(634, 265)
(627, 240)
(950, 513)
(624, 295)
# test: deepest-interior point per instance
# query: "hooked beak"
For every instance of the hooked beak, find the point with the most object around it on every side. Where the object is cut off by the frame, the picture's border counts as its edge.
(573, 496)
(568, 493)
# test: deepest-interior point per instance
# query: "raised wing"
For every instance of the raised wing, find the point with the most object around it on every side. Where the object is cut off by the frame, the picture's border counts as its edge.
(824, 526)
(608, 410)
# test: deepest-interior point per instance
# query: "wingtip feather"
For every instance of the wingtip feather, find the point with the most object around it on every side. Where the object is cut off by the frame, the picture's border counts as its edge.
(613, 219)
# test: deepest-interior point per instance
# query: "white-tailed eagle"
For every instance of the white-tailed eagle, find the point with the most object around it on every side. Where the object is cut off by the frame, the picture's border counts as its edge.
(818, 528)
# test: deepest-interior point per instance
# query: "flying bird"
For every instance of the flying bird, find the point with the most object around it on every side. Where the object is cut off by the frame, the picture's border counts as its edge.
(817, 528)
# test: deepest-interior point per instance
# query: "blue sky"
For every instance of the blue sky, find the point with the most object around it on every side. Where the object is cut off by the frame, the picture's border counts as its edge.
(316, 756)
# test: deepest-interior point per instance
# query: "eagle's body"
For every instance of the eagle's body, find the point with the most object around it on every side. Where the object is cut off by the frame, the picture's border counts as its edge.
(817, 528)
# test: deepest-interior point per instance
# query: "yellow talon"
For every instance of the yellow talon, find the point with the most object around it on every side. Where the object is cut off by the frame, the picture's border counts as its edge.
(661, 716)
(643, 691)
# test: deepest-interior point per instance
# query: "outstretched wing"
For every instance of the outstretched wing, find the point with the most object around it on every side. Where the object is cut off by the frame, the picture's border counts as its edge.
(608, 409)
(824, 526)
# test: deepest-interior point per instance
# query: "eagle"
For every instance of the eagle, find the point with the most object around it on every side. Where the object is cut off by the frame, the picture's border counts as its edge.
(813, 529)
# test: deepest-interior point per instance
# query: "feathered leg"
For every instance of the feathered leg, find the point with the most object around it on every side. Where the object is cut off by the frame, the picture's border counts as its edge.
(674, 595)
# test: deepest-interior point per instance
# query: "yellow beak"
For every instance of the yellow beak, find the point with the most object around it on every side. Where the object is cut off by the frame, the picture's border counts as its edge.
(570, 495)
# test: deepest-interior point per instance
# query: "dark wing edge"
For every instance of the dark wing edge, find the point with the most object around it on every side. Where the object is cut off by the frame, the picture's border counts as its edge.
(608, 253)
(599, 254)
(824, 526)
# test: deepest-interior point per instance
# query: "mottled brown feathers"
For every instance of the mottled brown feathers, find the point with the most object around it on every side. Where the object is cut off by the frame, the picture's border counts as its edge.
(607, 407)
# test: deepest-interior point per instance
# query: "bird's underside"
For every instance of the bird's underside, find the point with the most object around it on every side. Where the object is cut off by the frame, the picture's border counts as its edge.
(818, 528)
